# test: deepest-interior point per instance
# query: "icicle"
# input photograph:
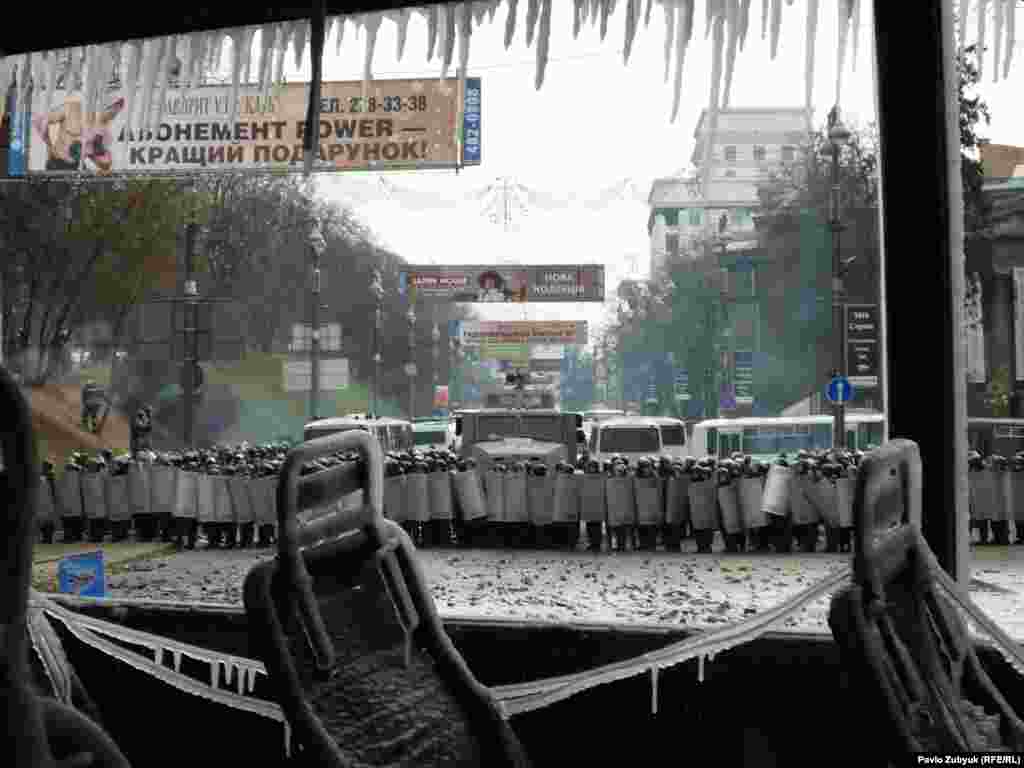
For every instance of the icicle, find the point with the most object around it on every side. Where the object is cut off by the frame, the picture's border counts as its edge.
(647, 14)
(214, 673)
(129, 83)
(577, 18)
(287, 739)
(710, 12)
(152, 54)
(670, 18)
(732, 20)
(371, 22)
(684, 32)
(700, 669)
(449, 40)
(88, 77)
(247, 58)
(744, 21)
(465, 33)
(266, 46)
(606, 12)
(632, 21)
(176, 655)
(341, 34)
(855, 23)
(982, 7)
(654, 690)
(777, 25)
(716, 83)
(302, 32)
(964, 12)
(165, 76)
(510, 22)
(75, 70)
(532, 14)
(478, 12)
(236, 36)
(432, 14)
(51, 79)
(997, 29)
(543, 40)
(812, 28)
(1011, 31)
(764, 19)
(281, 50)
(401, 19)
(492, 10)
(845, 10)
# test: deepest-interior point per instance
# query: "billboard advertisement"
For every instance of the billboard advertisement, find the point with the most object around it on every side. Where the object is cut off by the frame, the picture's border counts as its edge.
(493, 284)
(421, 123)
(473, 333)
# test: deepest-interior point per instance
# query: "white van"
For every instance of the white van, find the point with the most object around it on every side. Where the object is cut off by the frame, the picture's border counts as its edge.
(673, 436)
(635, 437)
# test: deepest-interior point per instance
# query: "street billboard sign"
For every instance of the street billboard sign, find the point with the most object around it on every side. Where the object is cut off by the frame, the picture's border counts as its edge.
(298, 374)
(862, 334)
(743, 378)
(496, 284)
(473, 333)
(302, 337)
(396, 124)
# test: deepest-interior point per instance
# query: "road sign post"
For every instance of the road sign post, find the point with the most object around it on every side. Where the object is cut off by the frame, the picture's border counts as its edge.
(839, 392)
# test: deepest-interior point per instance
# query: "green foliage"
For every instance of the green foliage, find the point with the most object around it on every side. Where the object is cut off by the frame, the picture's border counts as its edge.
(997, 397)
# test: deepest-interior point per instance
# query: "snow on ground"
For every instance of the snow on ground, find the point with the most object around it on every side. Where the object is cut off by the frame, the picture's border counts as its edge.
(632, 589)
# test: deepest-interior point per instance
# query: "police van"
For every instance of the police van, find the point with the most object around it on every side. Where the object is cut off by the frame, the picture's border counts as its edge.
(635, 437)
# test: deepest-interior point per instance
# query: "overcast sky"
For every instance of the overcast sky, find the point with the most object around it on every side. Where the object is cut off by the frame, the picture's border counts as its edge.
(594, 125)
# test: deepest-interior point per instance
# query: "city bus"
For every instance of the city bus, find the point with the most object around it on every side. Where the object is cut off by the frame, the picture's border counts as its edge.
(765, 438)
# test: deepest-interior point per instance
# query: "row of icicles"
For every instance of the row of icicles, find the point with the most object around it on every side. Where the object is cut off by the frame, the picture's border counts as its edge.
(147, 65)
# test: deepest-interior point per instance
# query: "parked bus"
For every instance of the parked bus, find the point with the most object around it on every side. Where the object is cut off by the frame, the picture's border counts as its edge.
(766, 438)
(1002, 436)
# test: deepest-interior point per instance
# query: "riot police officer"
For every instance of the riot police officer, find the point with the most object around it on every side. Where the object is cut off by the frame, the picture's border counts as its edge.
(92, 402)
(141, 430)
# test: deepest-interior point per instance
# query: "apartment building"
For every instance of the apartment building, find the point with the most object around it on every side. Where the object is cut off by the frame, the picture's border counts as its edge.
(747, 145)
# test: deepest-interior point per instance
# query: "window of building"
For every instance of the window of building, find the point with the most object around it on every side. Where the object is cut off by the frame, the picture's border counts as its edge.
(696, 219)
(742, 216)
(730, 154)
(759, 153)
(671, 216)
(788, 154)
(672, 245)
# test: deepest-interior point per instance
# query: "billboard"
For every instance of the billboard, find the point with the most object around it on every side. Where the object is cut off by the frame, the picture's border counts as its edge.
(494, 284)
(421, 123)
(862, 344)
(473, 333)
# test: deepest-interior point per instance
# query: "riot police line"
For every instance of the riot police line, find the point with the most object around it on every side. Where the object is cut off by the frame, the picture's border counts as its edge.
(228, 494)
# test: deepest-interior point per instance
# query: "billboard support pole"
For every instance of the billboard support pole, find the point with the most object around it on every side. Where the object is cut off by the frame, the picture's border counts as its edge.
(191, 335)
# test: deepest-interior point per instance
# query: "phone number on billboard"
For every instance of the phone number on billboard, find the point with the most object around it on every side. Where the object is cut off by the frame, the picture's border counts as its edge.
(373, 104)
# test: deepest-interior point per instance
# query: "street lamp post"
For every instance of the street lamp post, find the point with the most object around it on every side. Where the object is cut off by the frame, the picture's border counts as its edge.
(317, 246)
(838, 135)
(377, 292)
(410, 368)
(435, 337)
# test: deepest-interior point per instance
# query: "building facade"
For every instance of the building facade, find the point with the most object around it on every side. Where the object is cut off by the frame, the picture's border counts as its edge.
(748, 145)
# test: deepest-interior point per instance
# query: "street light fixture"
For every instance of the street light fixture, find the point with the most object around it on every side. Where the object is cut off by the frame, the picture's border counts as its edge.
(838, 136)
(435, 337)
(377, 293)
(410, 368)
(317, 246)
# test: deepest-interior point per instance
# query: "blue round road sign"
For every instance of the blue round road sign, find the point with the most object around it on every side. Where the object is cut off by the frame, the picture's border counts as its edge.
(840, 390)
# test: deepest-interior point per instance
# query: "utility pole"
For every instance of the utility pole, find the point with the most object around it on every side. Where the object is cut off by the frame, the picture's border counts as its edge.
(837, 136)
(191, 332)
(317, 246)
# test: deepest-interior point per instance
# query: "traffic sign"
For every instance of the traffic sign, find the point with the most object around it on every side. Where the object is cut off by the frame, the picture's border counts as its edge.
(839, 390)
